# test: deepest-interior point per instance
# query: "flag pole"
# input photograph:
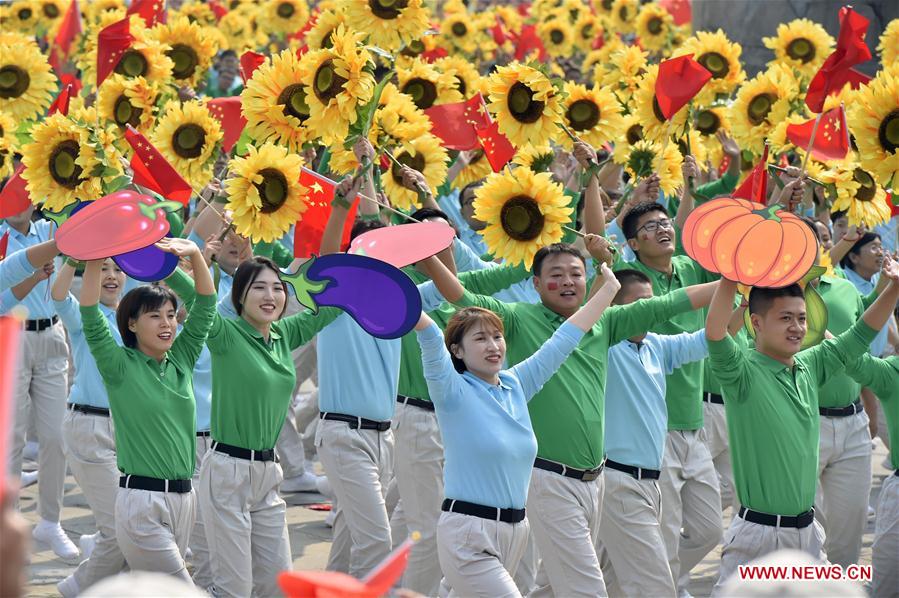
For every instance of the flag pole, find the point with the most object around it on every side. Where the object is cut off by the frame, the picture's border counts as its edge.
(811, 144)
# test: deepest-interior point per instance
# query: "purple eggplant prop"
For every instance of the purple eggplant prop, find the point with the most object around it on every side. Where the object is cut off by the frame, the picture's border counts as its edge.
(147, 264)
(379, 297)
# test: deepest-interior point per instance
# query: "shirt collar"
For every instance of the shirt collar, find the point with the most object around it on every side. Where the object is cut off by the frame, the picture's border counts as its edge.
(772, 365)
(484, 384)
(14, 233)
(273, 333)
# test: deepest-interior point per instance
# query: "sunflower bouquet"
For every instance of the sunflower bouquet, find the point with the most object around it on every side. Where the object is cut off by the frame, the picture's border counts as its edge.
(527, 104)
(189, 137)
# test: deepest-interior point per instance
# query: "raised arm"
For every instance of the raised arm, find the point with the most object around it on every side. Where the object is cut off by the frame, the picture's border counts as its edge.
(440, 374)
(344, 195)
(687, 201)
(720, 310)
(594, 212)
(880, 311)
(60, 289)
(90, 283)
(106, 352)
(445, 281)
(203, 283)
(590, 312)
(42, 253)
(21, 290)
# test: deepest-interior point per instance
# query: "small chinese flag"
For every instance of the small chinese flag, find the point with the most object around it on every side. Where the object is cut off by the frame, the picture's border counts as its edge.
(851, 50)
(61, 103)
(457, 123)
(217, 9)
(227, 111)
(4, 245)
(831, 140)
(497, 148)
(69, 30)
(14, 196)
(249, 62)
(152, 170)
(499, 33)
(112, 42)
(437, 53)
(309, 230)
(755, 187)
(679, 80)
(681, 10)
(527, 42)
(73, 80)
(151, 11)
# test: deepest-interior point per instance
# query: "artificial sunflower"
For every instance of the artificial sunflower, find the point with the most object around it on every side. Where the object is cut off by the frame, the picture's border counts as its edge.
(426, 85)
(526, 104)
(128, 102)
(647, 158)
(760, 104)
(424, 154)
(557, 36)
(889, 43)
(707, 121)
(275, 102)
(458, 33)
(800, 44)
(624, 15)
(7, 128)
(264, 192)
(646, 107)
(874, 120)
(537, 159)
(241, 29)
(189, 137)
(192, 49)
(327, 22)
(86, 58)
(777, 138)
(22, 16)
(52, 12)
(478, 168)
(148, 59)
(587, 30)
(6, 158)
(27, 82)
(510, 18)
(285, 16)
(95, 10)
(693, 143)
(61, 164)
(468, 79)
(397, 119)
(632, 132)
(198, 12)
(603, 8)
(593, 115)
(653, 26)
(628, 65)
(388, 23)
(719, 56)
(857, 194)
(524, 211)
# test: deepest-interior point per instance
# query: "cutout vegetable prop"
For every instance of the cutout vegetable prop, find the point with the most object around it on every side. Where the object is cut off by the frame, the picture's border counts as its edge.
(747, 242)
(147, 264)
(403, 245)
(379, 297)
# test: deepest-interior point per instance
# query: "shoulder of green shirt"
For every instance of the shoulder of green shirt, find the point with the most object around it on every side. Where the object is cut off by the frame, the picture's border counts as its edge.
(488, 281)
(726, 184)
(107, 354)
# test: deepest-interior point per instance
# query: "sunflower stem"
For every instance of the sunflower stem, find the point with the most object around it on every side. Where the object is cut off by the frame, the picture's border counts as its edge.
(811, 143)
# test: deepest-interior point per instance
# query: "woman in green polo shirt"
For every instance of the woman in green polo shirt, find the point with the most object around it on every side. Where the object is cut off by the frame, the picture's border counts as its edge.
(149, 383)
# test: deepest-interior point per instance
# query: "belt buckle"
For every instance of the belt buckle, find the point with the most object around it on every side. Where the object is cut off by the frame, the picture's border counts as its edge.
(590, 475)
(499, 514)
(639, 473)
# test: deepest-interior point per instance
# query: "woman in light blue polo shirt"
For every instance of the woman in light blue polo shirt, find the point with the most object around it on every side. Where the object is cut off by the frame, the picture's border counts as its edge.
(489, 444)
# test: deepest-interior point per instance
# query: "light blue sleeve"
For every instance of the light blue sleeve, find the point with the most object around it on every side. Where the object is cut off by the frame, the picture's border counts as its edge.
(13, 270)
(467, 259)
(616, 235)
(196, 239)
(534, 371)
(678, 349)
(431, 298)
(68, 312)
(442, 378)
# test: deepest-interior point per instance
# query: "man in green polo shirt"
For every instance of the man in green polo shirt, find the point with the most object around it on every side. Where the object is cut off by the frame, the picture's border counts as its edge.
(565, 496)
(771, 397)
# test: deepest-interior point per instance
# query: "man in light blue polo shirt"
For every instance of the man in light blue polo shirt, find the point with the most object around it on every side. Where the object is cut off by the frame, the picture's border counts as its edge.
(633, 557)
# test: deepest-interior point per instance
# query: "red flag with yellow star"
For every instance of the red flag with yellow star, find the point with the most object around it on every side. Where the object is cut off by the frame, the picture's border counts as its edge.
(112, 42)
(851, 50)
(152, 170)
(307, 235)
(497, 148)
(227, 112)
(755, 187)
(14, 196)
(151, 11)
(61, 103)
(457, 123)
(249, 62)
(831, 140)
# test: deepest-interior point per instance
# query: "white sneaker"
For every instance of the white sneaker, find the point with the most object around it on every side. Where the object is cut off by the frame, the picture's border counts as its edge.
(50, 532)
(329, 518)
(29, 453)
(68, 587)
(324, 487)
(306, 482)
(28, 478)
(87, 542)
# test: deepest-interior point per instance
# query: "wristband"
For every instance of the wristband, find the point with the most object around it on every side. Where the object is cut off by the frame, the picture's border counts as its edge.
(340, 202)
(77, 264)
(370, 217)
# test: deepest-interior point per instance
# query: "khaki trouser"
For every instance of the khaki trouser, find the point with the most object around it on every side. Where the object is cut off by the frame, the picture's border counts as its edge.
(745, 541)
(715, 427)
(198, 545)
(690, 500)
(479, 556)
(246, 524)
(632, 553)
(885, 551)
(565, 515)
(290, 447)
(90, 451)
(42, 386)
(418, 470)
(358, 464)
(844, 485)
(153, 529)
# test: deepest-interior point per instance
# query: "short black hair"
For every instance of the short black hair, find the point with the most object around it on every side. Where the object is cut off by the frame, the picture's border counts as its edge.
(629, 225)
(227, 53)
(473, 186)
(628, 277)
(761, 299)
(834, 216)
(363, 226)
(246, 274)
(866, 238)
(138, 301)
(554, 249)
(425, 213)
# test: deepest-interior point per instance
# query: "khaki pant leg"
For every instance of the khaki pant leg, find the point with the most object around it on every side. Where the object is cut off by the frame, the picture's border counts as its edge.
(671, 482)
(526, 575)
(198, 545)
(885, 551)
(341, 542)
(269, 540)
(719, 447)
(289, 447)
(701, 499)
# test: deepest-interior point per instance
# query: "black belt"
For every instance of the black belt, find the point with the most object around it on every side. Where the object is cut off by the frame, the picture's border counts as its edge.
(638, 473)
(205, 434)
(426, 405)
(710, 397)
(242, 453)
(139, 482)
(584, 475)
(87, 409)
(799, 521)
(475, 510)
(357, 423)
(38, 325)
(846, 411)
(896, 473)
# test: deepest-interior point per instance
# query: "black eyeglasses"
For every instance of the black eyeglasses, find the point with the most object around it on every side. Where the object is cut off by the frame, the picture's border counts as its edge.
(654, 225)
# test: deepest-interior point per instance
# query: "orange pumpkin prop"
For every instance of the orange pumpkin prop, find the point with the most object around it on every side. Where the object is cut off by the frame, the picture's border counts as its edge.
(745, 241)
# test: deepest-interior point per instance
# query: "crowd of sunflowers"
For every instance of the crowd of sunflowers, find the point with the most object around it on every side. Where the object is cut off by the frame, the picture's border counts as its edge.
(341, 69)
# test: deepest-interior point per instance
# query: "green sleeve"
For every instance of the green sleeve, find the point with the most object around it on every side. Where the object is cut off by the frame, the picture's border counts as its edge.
(183, 285)
(108, 355)
(489, 281)
(831, 356)
(275, 251)
(880, 375)
(506, 311)
(729, 365)
(625, 321)
(176, 223)
(190, 340)
(300, 328)
(870, 298)
(567, 235)
(726, 184)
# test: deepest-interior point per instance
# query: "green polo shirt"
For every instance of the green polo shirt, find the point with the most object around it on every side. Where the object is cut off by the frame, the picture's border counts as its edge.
(483, 282)
(844, 308)
(252, 380)
(152, 403)
(684, 386)
(772, 417)
(882, 376)
(567, 414)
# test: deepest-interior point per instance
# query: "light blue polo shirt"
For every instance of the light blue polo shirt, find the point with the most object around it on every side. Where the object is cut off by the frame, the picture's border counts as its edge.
(38, 302)
(13, 270)
(865, 288)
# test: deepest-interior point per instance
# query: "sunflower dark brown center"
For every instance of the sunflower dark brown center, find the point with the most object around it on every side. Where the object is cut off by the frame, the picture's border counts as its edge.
(707, 122)
(888, 132)
(327, 42)
(185, 59)
(868, 188)
(285, 10)
(63, 166)
(188, 141)
(607, 4)
(521, 218)
(759, 107)
(422, 91)
(25, 14)
(587, 31)
(634, 134)
(413, 49)
(522, 105)
(557, 36)
(459, 29)
(461, 86)
(583, 115)
(657, 110)
(132, 64)
(715, 63)
(801, 49)
(746, 160)
(416, 162)
(654, 26)
(293, 98)
(622, 13)
(125, 113)
(51, 11)
(272, 190)
(14, 81)
(328, 84)
(387, 9)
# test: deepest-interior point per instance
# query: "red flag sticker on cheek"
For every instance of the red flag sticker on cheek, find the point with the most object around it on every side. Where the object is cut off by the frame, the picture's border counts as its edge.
(552, 286)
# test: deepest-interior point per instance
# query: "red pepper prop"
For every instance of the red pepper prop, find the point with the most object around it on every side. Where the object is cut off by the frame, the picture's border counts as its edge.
(118, 223)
